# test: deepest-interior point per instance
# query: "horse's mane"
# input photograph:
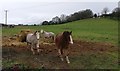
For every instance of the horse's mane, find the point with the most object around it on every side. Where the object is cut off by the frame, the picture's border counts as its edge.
(61, 40)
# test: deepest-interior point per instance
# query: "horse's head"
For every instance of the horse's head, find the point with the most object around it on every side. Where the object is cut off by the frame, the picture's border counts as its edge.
(68, 36)
(37, 33)
(42, 31)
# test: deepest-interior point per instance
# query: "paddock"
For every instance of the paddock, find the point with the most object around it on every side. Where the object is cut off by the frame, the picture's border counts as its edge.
(83, 51)
(95, 46)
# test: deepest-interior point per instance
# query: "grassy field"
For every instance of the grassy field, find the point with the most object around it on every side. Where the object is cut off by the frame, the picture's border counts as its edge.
(99, 30)
(84, 55)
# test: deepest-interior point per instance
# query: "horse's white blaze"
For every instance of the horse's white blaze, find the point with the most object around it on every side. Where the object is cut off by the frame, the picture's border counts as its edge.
(71, 40)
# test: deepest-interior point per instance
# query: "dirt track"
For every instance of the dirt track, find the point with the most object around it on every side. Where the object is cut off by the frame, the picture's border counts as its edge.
(48, 57)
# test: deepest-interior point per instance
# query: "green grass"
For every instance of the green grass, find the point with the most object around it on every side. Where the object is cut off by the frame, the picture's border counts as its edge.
(95, 61)
(99, 30)
(96, 30)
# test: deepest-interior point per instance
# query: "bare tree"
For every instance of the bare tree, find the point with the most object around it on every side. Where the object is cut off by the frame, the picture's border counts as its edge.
(119, 4)
(56, 20)
(117, 9)
(63, 18)
(105, 10)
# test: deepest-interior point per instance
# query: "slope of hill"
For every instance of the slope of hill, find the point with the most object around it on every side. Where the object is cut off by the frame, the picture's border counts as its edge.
(83, 54)
(101, 30)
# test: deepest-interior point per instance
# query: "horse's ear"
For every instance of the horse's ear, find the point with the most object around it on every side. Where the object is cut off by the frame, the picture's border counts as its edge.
(70, 32)
(35, 32)
(64, 32)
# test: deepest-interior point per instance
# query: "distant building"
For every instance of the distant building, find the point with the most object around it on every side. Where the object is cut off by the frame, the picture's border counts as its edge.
(7, 25)
(11, 25)
(1, 24)
(20, 24)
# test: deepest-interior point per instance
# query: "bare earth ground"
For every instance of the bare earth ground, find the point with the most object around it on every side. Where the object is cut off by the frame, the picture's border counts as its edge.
(83, 55)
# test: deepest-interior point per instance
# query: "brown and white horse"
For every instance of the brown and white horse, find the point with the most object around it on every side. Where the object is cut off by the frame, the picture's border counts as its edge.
(62, 41)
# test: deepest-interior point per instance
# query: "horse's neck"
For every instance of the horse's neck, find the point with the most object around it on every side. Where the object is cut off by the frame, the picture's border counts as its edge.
(45, 32)
(31, 34)
(64, 38)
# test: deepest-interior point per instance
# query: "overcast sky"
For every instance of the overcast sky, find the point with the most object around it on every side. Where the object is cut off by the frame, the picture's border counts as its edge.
(36, 11)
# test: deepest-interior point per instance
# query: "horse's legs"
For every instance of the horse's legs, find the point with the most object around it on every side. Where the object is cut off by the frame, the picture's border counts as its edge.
(67, 59)
(32, 49)
(28, 45)
(60, 53)
(37, 45)
(66, 56)
(38, 50)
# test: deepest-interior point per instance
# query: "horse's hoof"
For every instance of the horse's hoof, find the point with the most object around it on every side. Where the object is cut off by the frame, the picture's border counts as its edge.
(33, 53)
(62, 59)
(38, 53)
(68, 62)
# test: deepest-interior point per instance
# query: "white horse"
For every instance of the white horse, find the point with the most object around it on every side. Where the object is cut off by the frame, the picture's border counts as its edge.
(47, 34)
(33, 40)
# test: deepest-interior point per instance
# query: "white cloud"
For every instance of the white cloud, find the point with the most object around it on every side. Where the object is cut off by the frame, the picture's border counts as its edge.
(6, 1)
(26, 11)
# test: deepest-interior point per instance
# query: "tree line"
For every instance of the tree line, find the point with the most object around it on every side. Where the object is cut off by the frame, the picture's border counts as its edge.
(83, 14)
(115, 14)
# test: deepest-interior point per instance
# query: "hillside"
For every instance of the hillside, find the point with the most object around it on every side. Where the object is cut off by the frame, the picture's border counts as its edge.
(100, 30)
(84, 54)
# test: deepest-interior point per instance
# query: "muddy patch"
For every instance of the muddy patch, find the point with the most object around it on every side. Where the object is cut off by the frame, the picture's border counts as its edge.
(48, 57)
